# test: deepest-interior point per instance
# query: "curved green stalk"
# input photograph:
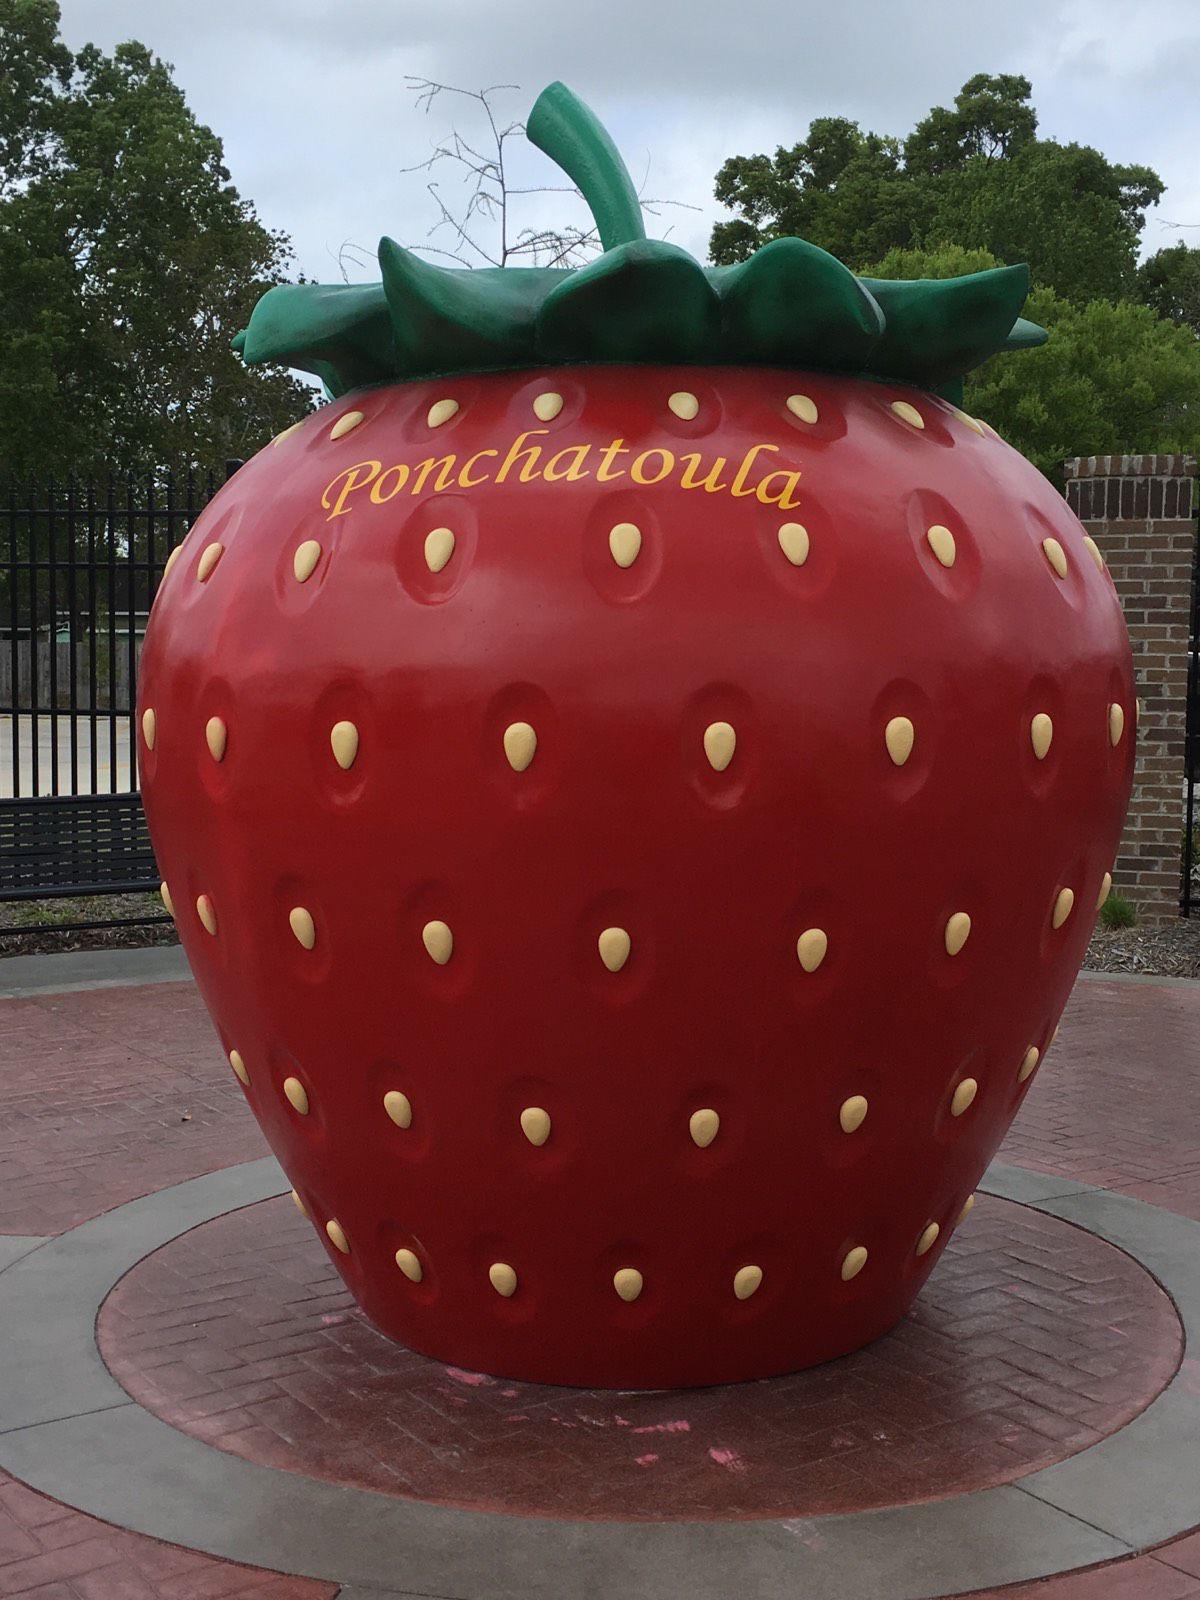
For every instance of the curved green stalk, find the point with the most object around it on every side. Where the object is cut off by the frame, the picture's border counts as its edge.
(574, 138)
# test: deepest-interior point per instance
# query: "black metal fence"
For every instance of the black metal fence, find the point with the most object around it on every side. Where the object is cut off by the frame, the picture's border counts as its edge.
(80, 564)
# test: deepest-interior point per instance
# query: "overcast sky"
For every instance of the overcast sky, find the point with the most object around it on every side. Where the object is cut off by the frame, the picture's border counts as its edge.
(310, 96)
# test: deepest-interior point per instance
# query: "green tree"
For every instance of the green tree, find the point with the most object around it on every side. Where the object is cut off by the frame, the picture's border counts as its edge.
(1114, 377)
(991, 119)
(840, 188)
(976, 173)
(1170, 282)
(127, 262)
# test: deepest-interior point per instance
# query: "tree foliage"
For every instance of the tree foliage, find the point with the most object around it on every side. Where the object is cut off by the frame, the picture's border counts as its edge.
(973, 186)
(976, 173)
(127, 262)
(1115, 376)
(1170, 282)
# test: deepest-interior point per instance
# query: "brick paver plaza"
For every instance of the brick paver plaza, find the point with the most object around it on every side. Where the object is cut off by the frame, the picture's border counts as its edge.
(1034, 1340)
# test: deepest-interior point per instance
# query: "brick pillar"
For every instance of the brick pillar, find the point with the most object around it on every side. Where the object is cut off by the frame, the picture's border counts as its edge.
(1139, 510)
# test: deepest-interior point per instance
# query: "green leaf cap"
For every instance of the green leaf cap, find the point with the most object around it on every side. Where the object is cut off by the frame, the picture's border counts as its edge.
(642, 300)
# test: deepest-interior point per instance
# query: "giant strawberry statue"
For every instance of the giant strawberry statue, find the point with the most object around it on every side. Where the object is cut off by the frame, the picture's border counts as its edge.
(635, 776)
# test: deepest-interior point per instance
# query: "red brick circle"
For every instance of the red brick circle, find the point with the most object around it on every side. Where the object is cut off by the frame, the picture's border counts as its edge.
(1031, 1341)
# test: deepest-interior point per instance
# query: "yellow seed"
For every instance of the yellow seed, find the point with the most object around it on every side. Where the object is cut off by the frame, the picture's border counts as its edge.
(438, 941)
(502, 1278)
(208, 560)
(239, 1067)
(439, 547)
(941, 542)
(746, 1280)
(207, 914)
(1041, 732)
(1116, 724)
(280, 437)
(399, 1107)
(343, 741)
(1093, 550)
(345, 424)
(614, 945)
(337, 1236)
(299, 1204)
(811, 948)
(166, 899)
(149, 727)
(801, 406)
(297, 1095)
(409, 1265)
(1028, 1062)
(215, 735)
(720, 740)
(684, 405)
(898, 736)
(907, 413)
(302, 925)
(704, 1125)
(625, 543)
(520, 745)
(627, 1281)
(170, 562)
(928, 1238)
(793, 541)
(441, 411)
(958, 931)
(968, 1207)
(535, 1125)
(971, 422)
(854, 1262)
(547, 406)
(853, 1113)
(305, 560)
(1105, 889)
(964, 1097)
(1056, 556)
(1062, 907)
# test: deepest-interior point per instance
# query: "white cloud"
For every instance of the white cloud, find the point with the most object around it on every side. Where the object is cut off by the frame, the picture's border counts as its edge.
(311, 102)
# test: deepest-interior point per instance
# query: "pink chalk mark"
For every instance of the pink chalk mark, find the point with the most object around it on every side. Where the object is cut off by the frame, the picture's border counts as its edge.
(644, 1461)
(728, 1458)
(474, 1380)
(681, 1426)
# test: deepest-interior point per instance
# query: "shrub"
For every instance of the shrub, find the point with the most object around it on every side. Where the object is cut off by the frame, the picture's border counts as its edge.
(1117, 912)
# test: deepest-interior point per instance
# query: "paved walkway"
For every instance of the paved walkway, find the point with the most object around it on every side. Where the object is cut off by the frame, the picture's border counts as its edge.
(253, 1376)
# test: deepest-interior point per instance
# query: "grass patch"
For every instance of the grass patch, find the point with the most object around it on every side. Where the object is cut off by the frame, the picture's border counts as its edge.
(1117, 912)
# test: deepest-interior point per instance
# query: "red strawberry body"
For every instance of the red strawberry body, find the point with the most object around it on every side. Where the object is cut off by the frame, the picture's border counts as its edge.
(633, 807)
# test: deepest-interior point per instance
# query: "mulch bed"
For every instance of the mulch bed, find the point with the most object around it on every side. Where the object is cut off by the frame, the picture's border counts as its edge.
(1166, 949)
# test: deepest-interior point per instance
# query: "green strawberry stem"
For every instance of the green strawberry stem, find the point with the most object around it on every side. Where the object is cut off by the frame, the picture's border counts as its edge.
(574, 138)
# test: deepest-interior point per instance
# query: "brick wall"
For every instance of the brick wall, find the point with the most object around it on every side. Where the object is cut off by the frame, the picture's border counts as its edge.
(1140, 511)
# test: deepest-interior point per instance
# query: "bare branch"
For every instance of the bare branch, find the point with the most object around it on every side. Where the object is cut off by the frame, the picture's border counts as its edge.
(488, 195)
(348, 248)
